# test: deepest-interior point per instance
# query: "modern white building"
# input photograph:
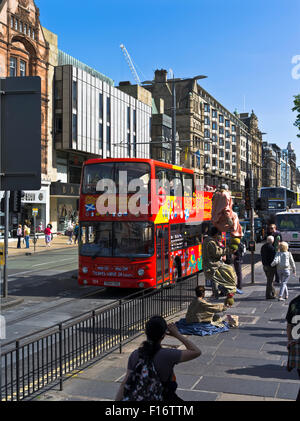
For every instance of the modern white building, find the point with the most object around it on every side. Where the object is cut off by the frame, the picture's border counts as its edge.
(92, 119)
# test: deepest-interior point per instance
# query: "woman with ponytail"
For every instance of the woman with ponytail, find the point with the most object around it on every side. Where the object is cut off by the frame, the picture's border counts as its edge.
(164, 359)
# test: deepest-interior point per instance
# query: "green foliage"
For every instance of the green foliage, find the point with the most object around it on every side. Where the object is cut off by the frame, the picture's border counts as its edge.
(297, 109)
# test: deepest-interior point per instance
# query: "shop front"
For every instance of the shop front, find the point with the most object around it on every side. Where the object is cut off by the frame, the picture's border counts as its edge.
(35, 200)
(64, 205)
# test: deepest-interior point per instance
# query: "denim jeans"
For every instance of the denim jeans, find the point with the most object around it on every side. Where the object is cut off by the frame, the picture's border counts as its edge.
(27, 241)
(284, 275)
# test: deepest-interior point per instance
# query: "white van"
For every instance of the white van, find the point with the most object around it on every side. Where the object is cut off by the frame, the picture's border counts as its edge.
(288, 224)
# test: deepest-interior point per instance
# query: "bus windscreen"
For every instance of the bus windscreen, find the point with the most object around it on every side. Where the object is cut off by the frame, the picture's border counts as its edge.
(118, 172)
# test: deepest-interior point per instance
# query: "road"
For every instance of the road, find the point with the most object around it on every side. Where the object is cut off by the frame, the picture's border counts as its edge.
(47, 283)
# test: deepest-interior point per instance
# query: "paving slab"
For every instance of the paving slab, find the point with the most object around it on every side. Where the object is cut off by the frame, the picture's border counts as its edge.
(238, 386)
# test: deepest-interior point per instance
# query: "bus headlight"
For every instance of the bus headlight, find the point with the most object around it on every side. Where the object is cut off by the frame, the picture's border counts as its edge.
(141, 272)
(85, 282)
(141, 285)
(85, 269)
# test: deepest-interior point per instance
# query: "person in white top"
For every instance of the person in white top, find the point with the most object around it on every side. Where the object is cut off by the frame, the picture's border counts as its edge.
(284, 262)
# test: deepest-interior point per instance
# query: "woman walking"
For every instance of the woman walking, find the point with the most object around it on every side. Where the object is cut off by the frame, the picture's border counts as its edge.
(48, 236)
(284, 262)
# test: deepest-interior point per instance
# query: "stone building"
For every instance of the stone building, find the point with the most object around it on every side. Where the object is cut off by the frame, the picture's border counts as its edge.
(24, 51)
(212, 140)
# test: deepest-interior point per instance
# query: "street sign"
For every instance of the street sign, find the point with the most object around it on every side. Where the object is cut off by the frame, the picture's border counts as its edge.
(35, 211)
(20, 136)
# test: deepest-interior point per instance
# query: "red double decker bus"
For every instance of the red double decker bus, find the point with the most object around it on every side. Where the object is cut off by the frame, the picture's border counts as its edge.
(141, 223)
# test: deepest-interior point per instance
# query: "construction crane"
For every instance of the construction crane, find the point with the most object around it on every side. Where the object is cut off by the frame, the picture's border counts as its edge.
(130, 64)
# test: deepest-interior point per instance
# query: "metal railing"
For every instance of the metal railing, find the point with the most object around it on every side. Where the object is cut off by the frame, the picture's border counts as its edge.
(32, 363)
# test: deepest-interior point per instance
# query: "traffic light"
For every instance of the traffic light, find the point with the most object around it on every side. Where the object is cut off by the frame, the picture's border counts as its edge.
(15, 201)
(249, 195)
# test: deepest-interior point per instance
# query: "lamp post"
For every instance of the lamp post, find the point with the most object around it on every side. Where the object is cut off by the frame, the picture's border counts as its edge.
(173, 108)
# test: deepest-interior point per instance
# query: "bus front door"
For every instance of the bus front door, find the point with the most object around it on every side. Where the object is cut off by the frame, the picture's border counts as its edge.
(162, 254)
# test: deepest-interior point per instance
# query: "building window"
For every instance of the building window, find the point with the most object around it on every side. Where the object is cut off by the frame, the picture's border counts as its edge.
(207, 159)
(214, 162)
(221, 141)
(134, 146)
(108, 110)
(101, 106)
(214, 113)
(128, 145)
(227, 123)
(221, 153)
(22, 68)
(128, 118)
(214, 125)
(25, 29)
(206, 107)
(13, 67)
(221, 118)
(108, 139)
(74, 94)
(16, 24)
(206, 133)
(74, 127)
(214, 137)
(233, 128)
(227, 145)
(58, 124)
(227, 133)
(21, 26)
(100, 136)
(207, 146)
(11, 21)
(221, 130)
(233, 138)
(134, 121)
(206, 120)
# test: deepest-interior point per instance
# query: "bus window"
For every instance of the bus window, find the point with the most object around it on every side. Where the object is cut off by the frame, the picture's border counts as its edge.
(188, 184)
(94, 173)
(134, 171)
(288, 222)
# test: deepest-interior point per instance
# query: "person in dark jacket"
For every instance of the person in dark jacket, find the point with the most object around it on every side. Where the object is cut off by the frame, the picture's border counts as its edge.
(237, 263)
(272, 230)
(267, 256)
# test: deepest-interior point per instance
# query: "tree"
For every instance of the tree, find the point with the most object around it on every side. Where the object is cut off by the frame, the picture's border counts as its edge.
(297, 109)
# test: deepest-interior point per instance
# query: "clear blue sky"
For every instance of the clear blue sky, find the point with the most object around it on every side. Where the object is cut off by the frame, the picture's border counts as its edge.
(245, 47)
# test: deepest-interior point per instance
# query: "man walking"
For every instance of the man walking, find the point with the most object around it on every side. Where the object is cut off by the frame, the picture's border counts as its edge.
(267, 256)
(272, 230)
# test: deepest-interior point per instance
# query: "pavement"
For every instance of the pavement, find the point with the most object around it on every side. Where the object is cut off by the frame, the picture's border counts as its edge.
(247, 363)
(58, 242)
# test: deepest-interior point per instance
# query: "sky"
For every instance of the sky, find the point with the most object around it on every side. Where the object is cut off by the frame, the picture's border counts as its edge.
(248, 49)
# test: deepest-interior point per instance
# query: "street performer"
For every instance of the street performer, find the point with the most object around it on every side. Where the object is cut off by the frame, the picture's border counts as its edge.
(215, 270)
(223, 217)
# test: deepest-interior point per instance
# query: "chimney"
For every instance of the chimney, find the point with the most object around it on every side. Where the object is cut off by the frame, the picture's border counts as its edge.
(161, 75)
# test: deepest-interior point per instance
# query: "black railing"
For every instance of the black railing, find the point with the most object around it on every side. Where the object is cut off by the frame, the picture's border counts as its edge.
(32, 363)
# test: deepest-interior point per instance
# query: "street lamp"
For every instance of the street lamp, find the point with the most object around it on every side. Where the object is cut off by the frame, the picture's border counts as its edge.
(173, 108)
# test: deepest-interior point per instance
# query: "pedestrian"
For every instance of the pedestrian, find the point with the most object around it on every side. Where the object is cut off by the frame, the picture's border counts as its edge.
(48, 235)
(70, 230)
(157, 362)
(26, 231)
(201, 311)
(237, 256)
(272, 230)
(19, 236)
(267, 256)
(284, 262)
(76, 232)
(292, 330)
(215, 270)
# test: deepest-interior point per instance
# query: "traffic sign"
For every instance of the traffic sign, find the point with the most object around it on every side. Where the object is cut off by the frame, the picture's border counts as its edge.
(35, 211)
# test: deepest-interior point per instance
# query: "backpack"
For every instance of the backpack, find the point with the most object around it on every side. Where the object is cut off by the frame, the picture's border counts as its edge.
(143, 383)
